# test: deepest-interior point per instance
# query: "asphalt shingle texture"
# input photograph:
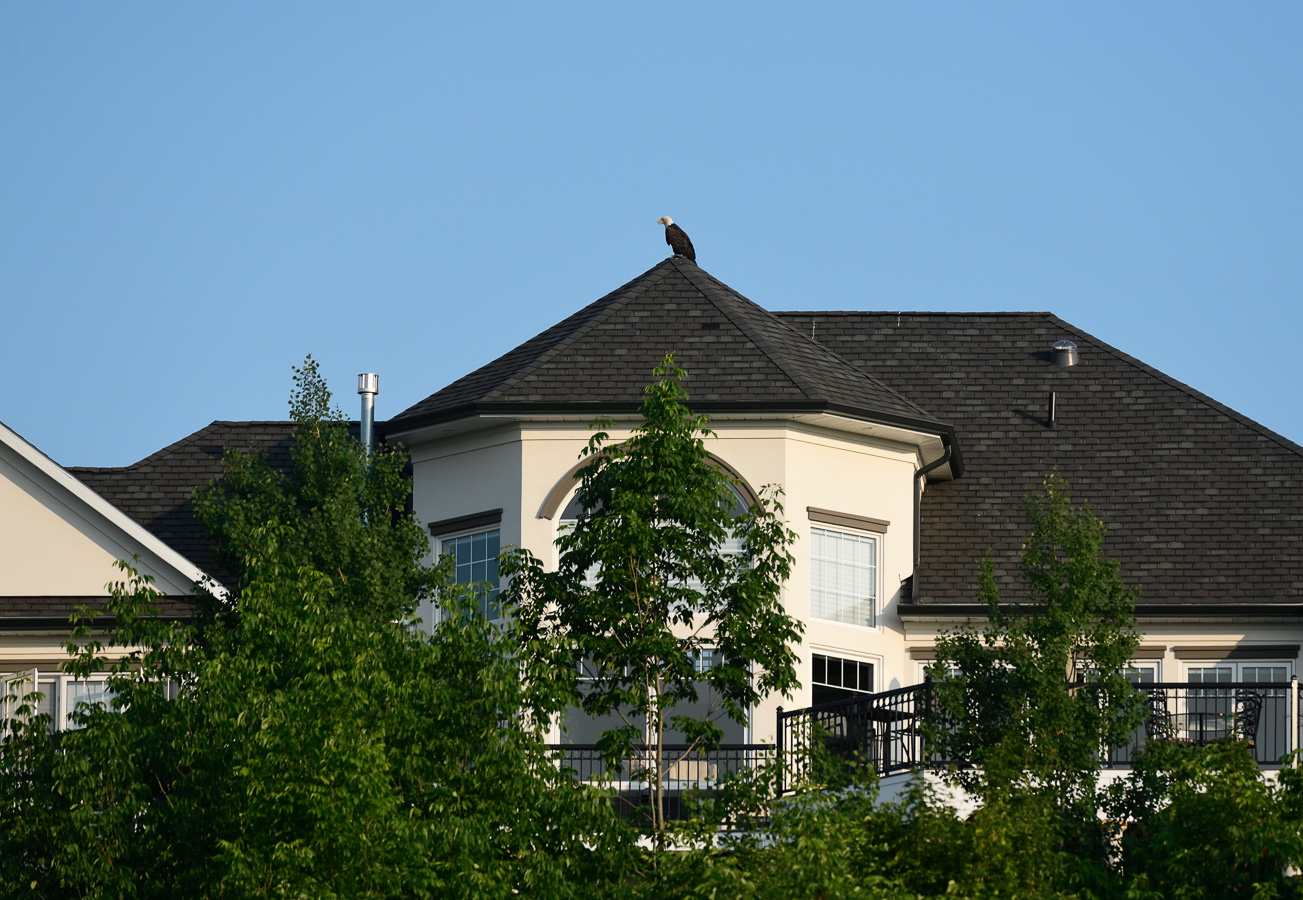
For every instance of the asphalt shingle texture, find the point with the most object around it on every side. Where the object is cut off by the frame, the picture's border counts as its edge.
(156, 490)
(735, 353)
(1202, 505)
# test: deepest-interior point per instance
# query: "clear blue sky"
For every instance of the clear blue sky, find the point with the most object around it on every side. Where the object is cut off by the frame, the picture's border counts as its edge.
(194, 196)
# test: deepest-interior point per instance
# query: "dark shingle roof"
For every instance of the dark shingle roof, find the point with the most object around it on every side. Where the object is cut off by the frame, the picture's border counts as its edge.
(737, 355)
(32, 611)
(156, 490)
(1203, 506)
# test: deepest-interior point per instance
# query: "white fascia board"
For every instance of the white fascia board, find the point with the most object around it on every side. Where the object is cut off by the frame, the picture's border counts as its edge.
(64, 480)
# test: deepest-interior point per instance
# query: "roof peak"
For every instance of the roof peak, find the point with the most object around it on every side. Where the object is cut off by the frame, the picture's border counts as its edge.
(739, 356)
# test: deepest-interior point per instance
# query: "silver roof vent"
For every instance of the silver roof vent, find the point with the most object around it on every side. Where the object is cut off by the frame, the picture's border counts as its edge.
(1064, 354)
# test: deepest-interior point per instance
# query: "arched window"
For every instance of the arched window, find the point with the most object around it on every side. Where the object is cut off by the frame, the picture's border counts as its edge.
(582, 728)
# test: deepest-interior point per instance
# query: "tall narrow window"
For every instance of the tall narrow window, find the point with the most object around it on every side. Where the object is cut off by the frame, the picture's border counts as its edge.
(843, 576)
(476, 556)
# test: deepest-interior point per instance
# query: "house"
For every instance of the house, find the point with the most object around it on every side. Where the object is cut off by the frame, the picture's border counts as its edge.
(59, 541)
(904, 444)
(857, 414)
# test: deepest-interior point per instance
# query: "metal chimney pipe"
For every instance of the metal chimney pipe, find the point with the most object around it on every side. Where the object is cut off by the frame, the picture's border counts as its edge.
(368, 385)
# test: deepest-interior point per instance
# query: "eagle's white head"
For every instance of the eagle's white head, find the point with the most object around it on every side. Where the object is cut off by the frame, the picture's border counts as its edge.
(664, 220)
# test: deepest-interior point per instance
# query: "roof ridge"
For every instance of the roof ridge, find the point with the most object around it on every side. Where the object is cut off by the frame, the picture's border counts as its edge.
(615, 303)
(190, 438)
(714, 286)
(908, 312)
(1195, 393)
(786, 363)
(157, 454)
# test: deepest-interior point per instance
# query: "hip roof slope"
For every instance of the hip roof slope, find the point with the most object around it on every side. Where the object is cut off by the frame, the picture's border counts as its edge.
(736, 354)
(1202, 504)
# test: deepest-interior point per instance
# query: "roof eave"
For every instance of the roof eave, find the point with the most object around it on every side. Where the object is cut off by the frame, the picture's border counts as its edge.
(98, 505)
(398, 429)
(1149, 613)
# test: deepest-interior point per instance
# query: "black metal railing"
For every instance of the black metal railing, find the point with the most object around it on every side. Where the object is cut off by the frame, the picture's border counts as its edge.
(684, 771)
(886, 731)
(1256, 713)
(883, 731)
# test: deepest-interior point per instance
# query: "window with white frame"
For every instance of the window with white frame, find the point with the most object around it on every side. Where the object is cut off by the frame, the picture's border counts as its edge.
(60, 695)
(1142, 672)
(833, 678)
(843, 576)
(1218, 693)
(583, 728)
(476, 558)
(1227, 671)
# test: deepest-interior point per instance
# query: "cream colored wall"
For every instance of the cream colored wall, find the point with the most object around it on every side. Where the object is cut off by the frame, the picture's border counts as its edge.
(52, 544)
(465, 476)
(1159, 637)
(861, 477)
(41, 649)
(518, 468)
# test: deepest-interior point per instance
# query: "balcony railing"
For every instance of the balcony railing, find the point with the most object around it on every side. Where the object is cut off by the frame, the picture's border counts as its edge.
(685, 769)
(885, 731)
(1257, 713)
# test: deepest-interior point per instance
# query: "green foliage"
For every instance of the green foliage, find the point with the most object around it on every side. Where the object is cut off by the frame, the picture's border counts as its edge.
(655, 516)
(304, 739)
(1203, 822)
(318, 744)
(1042, 689)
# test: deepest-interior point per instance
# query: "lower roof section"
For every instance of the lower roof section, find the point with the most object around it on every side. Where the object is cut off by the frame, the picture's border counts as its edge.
(1203, 507)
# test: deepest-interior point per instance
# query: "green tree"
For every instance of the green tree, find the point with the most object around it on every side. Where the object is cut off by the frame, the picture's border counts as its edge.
(1202, 822)
(318, 743)
(644, 591)
(1028, 704)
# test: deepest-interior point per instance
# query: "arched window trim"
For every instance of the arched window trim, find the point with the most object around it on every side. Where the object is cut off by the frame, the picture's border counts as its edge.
(556, 498)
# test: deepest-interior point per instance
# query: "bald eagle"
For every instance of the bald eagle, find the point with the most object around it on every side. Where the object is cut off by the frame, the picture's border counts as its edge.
(677, 238)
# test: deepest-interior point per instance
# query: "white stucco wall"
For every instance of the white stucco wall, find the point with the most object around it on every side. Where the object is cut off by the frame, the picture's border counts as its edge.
(516, 468)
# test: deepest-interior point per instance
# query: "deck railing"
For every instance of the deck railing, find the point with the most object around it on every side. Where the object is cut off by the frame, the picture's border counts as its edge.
(886, 731)
(883, 731)
(686, 770)
(1257, 713)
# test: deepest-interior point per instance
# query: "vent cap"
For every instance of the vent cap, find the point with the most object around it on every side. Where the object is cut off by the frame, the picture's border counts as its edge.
(1064, 353)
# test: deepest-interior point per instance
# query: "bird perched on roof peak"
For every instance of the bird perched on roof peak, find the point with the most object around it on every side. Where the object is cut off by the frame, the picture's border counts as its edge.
(677, 238)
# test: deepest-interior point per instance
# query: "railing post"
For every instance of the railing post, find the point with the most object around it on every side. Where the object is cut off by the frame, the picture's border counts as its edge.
(778, 743)
(1293, 720)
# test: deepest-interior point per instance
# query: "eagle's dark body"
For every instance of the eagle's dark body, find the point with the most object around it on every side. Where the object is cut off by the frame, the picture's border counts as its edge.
(679, 241)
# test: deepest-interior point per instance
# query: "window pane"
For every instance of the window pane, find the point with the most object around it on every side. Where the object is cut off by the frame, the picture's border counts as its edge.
(477, 563)
(835, 679)
(843, 576)
(86, 694)
(1141, 675)
(1264, 673)
(834, 673)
